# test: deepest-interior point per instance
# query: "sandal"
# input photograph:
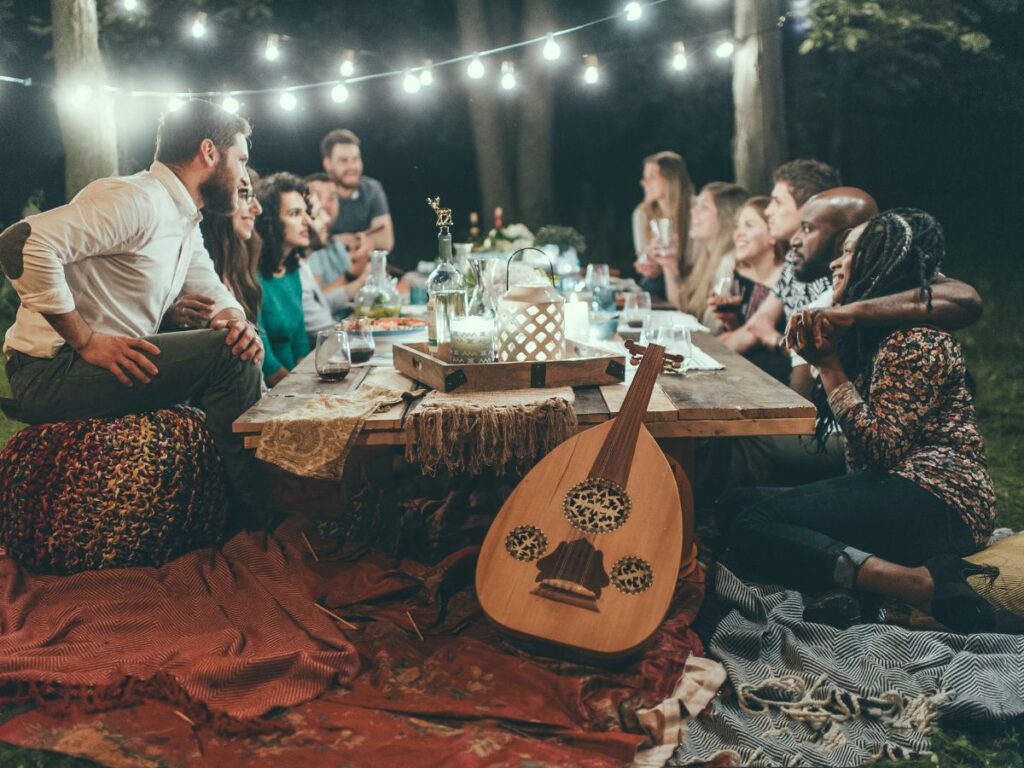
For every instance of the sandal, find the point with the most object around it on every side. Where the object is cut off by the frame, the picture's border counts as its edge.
(958, 607)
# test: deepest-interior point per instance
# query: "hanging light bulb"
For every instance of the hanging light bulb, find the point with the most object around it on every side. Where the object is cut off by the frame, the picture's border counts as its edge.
(508, 75)
(175, 103)
(130, 5)
(476, 68)
(427, 73)
(288, 101)
(75, 96)
(725, 49)
(411, 83)
(552, 50)
(229, 104)
(199, 26)
(348, 63)
(339, 93)
(633, 11)
(273, 50)
(590, 71)
(678, 56)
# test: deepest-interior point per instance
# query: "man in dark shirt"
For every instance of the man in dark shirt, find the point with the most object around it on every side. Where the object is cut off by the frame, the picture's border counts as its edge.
(364, 220)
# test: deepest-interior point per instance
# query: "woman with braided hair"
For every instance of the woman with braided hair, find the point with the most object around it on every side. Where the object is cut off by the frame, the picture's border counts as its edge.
(917, 495)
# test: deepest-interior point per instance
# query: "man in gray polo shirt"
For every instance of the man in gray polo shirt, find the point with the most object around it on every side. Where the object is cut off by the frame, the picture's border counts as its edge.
(364, 220)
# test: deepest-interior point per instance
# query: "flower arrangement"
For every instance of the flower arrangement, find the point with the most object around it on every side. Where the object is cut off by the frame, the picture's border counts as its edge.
(508, 239)
(563, 237)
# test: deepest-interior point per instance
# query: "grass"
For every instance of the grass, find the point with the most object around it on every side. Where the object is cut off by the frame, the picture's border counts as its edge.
(995, 355)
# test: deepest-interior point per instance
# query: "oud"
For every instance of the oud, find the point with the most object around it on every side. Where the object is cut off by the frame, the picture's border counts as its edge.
(585, 552)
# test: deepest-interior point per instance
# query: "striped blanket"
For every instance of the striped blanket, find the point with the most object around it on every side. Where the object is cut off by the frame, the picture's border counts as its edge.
(811, 695)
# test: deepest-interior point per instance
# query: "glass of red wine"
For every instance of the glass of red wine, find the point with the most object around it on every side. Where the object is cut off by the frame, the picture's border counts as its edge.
(360, 339)
(333, 358)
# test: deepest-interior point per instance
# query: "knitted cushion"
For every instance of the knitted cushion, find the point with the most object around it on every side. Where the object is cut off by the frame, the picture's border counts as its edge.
(103, 493)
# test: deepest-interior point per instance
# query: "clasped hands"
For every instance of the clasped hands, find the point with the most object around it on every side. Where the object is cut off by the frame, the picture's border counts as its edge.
(814, 334)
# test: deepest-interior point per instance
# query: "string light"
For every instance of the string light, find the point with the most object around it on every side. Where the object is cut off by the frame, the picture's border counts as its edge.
(552, 50)
(130, 5)
(411, 83)
(590, 72)
(175, 103)
(199, 26)
(633, 11)
(230, 104)
(75, 96)
(476, 68)
(339, 93)
(678, 56)
(725, 49)
(348, 63)
(288, 101)
(427, 73)
(508, 75)
(273, 50)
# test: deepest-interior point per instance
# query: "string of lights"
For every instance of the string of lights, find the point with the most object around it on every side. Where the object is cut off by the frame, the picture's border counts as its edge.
(413, 79)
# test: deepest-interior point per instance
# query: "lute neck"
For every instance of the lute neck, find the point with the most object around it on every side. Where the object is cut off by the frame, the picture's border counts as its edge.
(616, 456)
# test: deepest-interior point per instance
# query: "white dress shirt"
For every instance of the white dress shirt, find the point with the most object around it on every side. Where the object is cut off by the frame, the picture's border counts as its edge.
(120, 253)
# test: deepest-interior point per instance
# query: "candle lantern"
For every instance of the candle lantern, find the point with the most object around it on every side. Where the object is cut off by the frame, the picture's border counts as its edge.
(531, 319)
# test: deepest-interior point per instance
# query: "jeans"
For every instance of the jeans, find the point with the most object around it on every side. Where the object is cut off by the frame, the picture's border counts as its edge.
(194, 366)
(815, 536)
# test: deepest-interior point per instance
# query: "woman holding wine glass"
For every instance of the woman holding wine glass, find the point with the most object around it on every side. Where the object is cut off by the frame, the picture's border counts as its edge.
(668, 193)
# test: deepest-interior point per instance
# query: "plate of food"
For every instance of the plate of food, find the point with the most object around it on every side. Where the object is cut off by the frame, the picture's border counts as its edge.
(395, 326)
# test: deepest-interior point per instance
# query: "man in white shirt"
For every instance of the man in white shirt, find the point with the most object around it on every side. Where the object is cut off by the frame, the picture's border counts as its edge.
(97, 275)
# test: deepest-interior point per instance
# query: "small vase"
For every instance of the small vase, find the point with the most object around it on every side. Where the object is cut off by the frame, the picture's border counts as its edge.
(378, 297)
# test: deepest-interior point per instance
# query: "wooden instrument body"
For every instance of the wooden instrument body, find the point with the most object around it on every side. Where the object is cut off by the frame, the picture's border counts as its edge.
(617, 623)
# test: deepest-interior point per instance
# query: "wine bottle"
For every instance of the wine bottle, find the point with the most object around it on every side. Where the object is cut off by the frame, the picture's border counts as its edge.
(446, 294)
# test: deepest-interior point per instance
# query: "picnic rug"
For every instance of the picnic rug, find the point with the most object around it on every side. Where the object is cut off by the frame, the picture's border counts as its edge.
(222, 658)
(810, 695)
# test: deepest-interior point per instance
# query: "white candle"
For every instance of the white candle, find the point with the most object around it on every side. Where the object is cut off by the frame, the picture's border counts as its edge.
(472, 339)
(577, 320)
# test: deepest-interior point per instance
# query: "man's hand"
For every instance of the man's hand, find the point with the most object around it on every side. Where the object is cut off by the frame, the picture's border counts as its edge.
(122, 356)
(243, 338)
(726, 310)
(191, 310)
(808, 321)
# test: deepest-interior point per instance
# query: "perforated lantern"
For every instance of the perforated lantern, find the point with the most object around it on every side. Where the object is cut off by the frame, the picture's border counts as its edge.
(531, 321)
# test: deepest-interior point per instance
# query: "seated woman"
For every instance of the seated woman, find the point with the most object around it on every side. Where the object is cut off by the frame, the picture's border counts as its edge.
(668, 193)
(284, 227)
(322, 309)
(711, 227)
(917, 495)
(759, 260)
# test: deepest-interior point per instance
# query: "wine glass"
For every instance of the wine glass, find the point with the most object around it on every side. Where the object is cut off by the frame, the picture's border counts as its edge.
(360, 339)
(665, 233)
(598, 276)
(636, 309)
(333, 358)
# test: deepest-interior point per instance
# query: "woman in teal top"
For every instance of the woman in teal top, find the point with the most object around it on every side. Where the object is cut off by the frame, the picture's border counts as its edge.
(284, 227)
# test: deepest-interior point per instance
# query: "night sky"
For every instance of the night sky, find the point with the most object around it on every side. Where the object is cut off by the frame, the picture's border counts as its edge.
(936, 142)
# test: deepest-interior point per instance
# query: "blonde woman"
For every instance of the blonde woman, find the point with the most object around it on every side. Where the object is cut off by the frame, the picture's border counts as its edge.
(711, 226)
(668, 193)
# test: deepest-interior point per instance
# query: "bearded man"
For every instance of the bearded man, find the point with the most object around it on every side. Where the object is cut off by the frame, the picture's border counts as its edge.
(97, 276)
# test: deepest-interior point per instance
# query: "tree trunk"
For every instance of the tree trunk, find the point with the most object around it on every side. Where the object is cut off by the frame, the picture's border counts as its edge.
(759, 144)
(536, 124)
(489, 137)
(90, 137)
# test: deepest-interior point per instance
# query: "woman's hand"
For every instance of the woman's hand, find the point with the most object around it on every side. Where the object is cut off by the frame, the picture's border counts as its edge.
(666, 257)
(726, 310)
(814, 336)
(191, 310)
(646, 267)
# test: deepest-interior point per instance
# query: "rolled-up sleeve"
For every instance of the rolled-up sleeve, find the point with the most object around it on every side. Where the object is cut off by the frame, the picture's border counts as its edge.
(104, 219)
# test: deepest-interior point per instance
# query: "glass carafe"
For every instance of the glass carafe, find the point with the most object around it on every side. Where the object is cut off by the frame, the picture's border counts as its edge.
(378, 297)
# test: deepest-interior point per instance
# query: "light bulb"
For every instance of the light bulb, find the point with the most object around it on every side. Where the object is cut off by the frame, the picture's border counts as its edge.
(348, 63)
(230, 104)
(411, 83)
(199, 26)
(175, 103)
(590, 72)
(130, 5)
(427, 73)
(678, 56)
(288, 101)
(339, 93)
(508, 75)
(273, 50)
(76, 96)
(725, 49)
(552, 50)
(633, 11)
(476, 68)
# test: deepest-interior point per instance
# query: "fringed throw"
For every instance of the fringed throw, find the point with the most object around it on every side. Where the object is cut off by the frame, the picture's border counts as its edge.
(504, 431)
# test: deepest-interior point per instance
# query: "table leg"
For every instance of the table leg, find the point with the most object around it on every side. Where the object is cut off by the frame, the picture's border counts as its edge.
(679, 452)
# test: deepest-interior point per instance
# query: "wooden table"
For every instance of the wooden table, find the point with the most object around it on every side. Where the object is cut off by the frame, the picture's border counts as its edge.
(740, 400)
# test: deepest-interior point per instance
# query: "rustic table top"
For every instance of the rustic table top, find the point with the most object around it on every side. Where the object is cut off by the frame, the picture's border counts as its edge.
(740, 400)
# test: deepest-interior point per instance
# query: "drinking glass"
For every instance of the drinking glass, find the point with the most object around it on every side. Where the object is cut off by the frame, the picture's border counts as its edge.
(360, 339)
(675, 339)
(665, 232)
(333, 359)
(598, 276)
(723, 287)
(636, 309)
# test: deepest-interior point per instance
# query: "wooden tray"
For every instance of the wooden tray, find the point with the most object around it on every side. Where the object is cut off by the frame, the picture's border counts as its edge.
(585, 365)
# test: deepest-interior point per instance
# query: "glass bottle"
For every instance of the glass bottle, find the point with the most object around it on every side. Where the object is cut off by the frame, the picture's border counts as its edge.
(446, 293)
(378, 297)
